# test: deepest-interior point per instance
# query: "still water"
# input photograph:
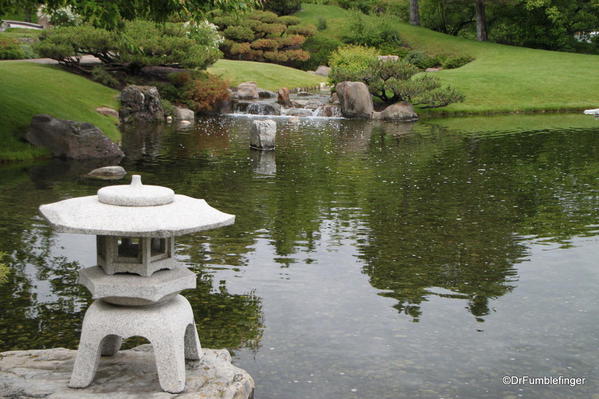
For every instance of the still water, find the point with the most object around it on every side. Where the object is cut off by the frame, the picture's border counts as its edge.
(367, 261)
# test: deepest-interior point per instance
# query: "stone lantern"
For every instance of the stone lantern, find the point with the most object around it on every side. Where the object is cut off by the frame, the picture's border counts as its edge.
(136, 283)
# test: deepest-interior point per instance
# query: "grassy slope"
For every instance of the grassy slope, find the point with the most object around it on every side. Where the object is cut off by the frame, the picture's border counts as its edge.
(267, 76)
(27, 89)
(502, 78)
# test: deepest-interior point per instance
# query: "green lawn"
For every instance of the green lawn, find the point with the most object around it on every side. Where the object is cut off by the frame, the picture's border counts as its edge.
(267, 76)
(502, 78)
(27, 89)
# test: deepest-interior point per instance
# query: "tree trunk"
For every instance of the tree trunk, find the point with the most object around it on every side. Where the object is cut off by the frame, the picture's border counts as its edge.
(414, 13)
(481, 20)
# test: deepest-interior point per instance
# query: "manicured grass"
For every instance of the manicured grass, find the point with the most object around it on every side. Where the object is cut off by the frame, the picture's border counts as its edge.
(267, 76)
(27, 89)
(502, 78)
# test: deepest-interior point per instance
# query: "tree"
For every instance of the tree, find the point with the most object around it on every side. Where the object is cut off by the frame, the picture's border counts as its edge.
(414, 12)
(110, 14)
(481, 20)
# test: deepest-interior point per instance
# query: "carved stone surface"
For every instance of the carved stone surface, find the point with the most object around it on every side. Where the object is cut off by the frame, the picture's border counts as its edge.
(131, 290)
(169, 327)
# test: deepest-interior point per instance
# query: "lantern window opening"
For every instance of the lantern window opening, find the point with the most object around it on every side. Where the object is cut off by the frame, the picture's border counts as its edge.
(129, 250)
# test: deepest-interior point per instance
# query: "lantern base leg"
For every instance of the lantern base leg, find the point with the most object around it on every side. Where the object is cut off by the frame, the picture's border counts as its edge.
(169, 327)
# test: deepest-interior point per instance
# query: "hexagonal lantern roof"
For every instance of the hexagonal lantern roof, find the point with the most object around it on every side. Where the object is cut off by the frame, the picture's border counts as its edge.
(134, 210)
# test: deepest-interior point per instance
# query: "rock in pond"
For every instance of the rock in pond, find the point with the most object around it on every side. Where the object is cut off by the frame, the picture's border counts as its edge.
(263, 135)
(70, 139)
(264, 109)
(141, 104)
(247, 91)
(266, 93)
(108, 173)
(184, 114)
(401, 111)
(355, 100)
(283, 97)
(129, 374)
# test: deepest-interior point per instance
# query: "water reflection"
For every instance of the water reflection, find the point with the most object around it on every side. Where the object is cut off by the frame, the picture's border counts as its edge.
(352, 230)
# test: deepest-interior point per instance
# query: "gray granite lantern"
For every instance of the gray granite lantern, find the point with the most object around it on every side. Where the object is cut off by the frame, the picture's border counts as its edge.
(136, 283)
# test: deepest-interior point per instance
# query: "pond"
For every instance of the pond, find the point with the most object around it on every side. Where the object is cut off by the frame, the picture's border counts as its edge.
(368, 260)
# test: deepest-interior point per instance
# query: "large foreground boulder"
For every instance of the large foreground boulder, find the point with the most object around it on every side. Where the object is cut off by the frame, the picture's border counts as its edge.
(355, 100)
(141, 104)
(70, 139)
(130, 374)
(401, 111)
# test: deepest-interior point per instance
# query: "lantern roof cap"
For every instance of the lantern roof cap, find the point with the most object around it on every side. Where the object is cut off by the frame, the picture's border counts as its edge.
(134, 210)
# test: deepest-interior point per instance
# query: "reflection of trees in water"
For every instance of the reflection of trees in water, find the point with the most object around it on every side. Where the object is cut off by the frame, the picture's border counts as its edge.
(431, 213)
(33, 318)
(446, 223)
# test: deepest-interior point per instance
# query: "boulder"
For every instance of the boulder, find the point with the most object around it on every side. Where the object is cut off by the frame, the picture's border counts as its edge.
(283, 97)
(263, 109)
(401, 111)
(323, 70)
(70, 139)
(247, 91)
(130, 374)
(140, 104)
(436, 69)
(108, 111)
(184, 114)
(108, 173)
(266, 94)
(354, 99)
(263, 135)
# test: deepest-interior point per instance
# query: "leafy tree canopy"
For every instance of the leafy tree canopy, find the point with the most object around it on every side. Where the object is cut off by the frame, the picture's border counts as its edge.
(110, 14)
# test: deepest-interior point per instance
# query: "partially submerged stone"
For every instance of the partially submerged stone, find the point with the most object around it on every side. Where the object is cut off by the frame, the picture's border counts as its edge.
(355, 100)
(263, 135)
(184, 114)
(108, 173)
(129, 374)
(141, 104)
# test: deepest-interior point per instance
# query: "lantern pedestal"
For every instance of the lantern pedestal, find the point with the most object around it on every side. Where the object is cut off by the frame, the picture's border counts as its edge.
(169, 327)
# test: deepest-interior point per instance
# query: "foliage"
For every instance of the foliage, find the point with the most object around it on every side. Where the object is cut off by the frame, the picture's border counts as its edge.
(4, 269)
(10, 49)
(140, 43)
(320, 49)
(383, 34)
(456, 61)
(350, 62)
(101, 75)
(422, 60)
(263, 36)
(283, 7)
(202, 91)
(167, 106)
(390, 80)
(111, 14)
